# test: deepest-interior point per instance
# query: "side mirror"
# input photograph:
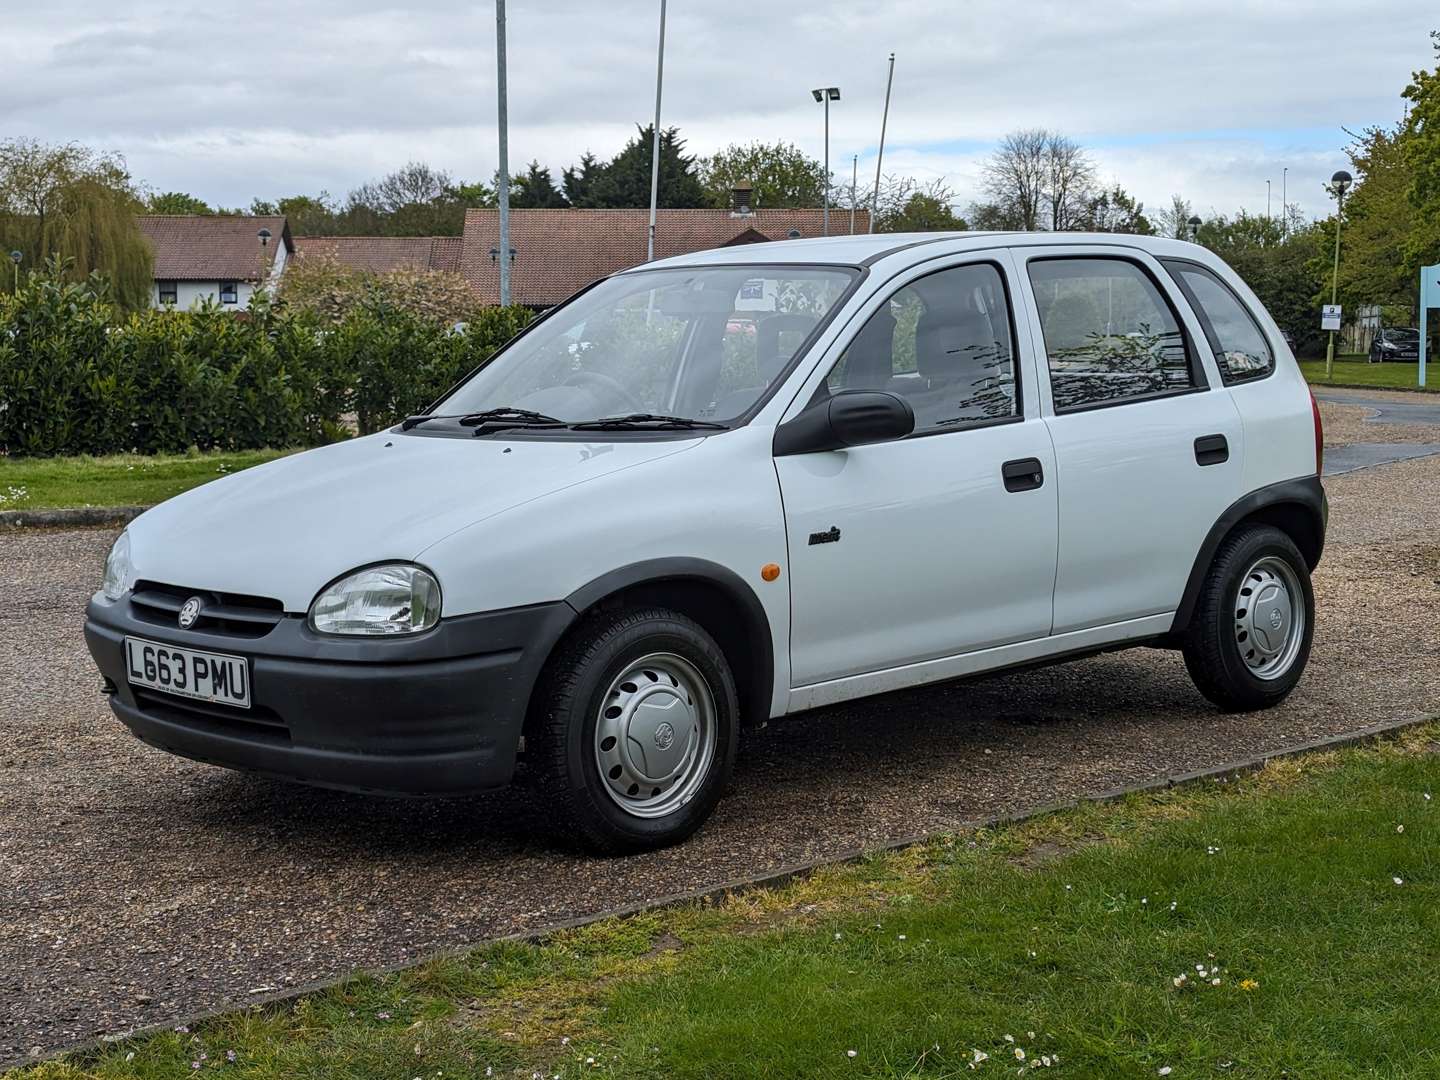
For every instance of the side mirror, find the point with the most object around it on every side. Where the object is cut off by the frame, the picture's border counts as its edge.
(849, 418)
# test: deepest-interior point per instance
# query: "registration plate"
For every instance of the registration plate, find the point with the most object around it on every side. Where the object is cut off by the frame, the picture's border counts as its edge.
(205, 676)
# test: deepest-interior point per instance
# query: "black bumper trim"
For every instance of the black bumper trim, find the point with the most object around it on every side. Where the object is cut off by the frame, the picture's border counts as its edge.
(437, 716)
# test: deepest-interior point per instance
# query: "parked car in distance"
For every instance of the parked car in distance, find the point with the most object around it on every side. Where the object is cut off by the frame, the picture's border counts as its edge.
(1395, 343)
(724, 487)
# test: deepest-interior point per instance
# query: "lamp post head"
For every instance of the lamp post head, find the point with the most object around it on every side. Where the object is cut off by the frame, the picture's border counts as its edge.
(826, 92)
(1341, 181)
(15, 257)
(1194, 224)
(264, 235)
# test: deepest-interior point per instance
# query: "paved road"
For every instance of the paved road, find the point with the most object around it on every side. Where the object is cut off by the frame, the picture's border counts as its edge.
(1405, 418)
(136, 887)
(1391, 408)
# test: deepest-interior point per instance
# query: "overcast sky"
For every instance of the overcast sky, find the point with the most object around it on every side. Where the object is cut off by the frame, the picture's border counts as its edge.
(1209, 98)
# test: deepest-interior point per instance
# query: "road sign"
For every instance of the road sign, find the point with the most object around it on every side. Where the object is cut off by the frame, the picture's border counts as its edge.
(1429, 297)
(1330, 317)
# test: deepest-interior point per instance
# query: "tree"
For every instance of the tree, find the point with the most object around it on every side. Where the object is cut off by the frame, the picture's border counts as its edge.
(176, 202)
(1070, 181)
(1114, 210)
(1422, 160)
(1014, 179)
(624, 182)
(779, 174)
(71, 203)
(1174, 220)
(1035, 179)
(907, 206)
(1379, 222)
(578, 181)
(534, 189)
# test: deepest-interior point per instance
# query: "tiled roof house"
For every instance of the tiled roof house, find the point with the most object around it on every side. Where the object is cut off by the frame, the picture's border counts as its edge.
(220, 257)
(381, 254)
(557, 252)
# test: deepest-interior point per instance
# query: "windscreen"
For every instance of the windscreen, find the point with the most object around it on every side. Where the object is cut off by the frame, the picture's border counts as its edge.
(704, 343)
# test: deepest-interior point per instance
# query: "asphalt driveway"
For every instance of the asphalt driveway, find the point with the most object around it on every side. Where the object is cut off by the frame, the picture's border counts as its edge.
(136, 888)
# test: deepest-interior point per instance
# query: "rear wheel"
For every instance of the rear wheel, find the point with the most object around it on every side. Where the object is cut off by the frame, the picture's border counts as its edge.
(1249, 639)
(633, 737)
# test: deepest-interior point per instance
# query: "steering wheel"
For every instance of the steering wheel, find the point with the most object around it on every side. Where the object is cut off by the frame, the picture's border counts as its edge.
(605, 382)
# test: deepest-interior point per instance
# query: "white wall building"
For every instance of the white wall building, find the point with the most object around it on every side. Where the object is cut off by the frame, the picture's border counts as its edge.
(222, 258)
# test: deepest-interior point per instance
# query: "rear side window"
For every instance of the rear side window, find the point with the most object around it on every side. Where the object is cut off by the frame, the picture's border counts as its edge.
(1110, 335)
(1235, 337)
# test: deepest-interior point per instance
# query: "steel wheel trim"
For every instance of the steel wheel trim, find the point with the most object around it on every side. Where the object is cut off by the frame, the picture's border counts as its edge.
(655, 735)
(1270, 617)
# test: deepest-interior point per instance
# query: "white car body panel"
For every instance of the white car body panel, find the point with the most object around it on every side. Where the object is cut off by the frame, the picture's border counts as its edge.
(289, 527)
(941, 572)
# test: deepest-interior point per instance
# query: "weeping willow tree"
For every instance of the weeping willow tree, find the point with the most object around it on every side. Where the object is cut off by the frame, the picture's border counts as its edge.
(70, 202)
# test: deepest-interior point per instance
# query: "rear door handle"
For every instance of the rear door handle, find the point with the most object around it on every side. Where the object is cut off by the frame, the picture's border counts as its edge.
(1024, 474)
(1211, 450)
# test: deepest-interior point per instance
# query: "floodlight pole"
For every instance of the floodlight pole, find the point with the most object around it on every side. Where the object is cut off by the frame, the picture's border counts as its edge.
(879, 157)
(502, 186)
(655, 143)
(854, 174)
(826, 223)
(1284, 203)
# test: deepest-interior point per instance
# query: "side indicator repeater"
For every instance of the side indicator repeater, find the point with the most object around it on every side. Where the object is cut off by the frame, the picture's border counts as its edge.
(770, 571)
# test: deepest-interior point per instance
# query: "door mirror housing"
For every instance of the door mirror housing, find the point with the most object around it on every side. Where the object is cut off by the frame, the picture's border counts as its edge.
(849, 418)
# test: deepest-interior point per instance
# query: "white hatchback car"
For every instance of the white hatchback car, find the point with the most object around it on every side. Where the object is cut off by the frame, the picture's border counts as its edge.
(733, 485)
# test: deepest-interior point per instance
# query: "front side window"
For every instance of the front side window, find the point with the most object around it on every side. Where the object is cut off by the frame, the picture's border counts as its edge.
(943, 344)
(1110, 335)
(169, 291)
(704, 343)
(1235, 337)
(229, 293)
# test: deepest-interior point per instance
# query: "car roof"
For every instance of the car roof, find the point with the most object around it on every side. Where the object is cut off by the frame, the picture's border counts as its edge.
(868, 249)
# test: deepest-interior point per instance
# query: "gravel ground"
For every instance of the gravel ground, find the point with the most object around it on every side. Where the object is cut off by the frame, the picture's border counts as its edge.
(136, 888)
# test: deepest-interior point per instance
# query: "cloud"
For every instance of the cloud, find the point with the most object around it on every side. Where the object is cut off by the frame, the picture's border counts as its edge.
(271, 97)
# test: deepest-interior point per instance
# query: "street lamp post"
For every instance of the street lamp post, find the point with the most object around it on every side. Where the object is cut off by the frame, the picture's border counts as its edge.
(502, 181)
(827, 94)
(1339, 184)
(264, 236)
(1194, 224)
(15, 258)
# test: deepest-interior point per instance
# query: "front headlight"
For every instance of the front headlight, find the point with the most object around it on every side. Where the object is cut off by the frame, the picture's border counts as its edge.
(119, 574)
(397, 598)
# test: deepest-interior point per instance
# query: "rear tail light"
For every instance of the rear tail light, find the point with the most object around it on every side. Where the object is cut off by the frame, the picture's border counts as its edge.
(1319, 434)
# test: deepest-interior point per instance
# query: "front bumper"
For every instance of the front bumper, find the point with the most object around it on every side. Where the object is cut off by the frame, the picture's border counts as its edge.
(438, 714)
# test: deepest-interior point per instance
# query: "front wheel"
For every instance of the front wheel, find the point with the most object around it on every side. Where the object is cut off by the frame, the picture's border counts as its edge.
(634, 734)
(1250, 636)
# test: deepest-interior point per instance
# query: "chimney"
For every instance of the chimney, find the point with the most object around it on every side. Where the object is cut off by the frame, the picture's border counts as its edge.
(740, 196)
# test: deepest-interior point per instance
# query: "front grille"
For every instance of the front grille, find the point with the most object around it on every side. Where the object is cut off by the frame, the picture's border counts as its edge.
(233, 614)
(256, 722)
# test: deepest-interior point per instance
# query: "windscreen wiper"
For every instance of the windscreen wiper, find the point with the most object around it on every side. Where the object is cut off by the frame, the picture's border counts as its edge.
(642, 421)
(508, 413)
(420, 418)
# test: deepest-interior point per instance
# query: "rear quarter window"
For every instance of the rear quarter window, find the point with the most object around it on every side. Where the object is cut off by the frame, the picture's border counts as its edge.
(1241, 349)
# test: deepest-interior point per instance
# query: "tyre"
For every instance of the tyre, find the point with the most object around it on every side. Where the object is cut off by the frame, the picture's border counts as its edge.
(632, 736)
(1249, 638)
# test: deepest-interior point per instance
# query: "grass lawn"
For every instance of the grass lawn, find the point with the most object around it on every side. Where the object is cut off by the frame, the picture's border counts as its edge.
(120, 480)
(1285, 924)
(1361, 373)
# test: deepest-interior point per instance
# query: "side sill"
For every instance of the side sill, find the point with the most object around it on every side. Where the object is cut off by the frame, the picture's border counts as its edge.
(982, 662)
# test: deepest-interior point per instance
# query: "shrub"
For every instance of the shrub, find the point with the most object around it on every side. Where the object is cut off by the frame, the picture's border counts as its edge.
(76, 376)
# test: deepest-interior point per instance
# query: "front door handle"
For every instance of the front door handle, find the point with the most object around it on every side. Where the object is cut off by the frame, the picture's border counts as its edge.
(1024, 474)
(1211, 450)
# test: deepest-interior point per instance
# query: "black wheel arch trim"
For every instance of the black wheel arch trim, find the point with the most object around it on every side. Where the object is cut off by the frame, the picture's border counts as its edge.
(757, 636)
(1305, 493)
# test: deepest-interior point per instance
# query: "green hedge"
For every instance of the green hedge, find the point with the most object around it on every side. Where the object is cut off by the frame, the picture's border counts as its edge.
(79, 377)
